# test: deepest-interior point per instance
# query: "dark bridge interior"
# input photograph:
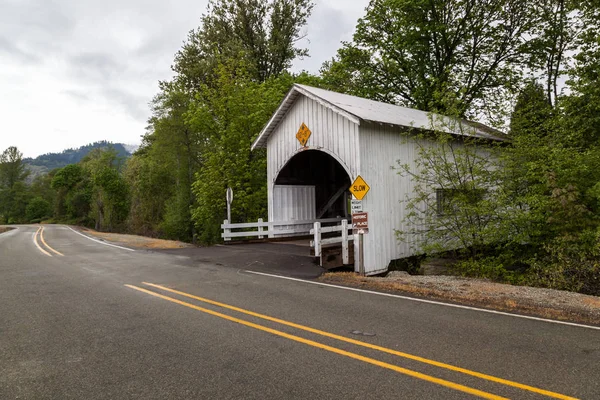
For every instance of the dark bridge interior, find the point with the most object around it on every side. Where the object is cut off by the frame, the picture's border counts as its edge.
(313, 167)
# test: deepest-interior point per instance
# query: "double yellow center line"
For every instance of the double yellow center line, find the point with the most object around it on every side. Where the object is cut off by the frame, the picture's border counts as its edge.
(355, 356)
(39, 236)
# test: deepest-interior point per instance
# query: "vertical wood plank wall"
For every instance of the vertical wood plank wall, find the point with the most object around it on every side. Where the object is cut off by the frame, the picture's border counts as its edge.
(331, 133)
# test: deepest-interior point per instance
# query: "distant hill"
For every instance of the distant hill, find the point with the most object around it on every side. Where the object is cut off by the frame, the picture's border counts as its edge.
(47, 162)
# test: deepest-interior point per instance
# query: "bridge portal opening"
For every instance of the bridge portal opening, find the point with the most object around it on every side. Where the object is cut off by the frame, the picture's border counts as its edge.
(312, 185)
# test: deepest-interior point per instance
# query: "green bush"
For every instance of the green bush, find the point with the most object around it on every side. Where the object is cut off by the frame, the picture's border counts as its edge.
(571, 263)
(38, 209)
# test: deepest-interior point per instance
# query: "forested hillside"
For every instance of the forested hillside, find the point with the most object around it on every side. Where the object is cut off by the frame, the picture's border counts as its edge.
(530, 214)
(47, 162)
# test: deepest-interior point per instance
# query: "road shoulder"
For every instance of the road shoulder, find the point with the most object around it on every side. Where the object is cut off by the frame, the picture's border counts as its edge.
(537, 302)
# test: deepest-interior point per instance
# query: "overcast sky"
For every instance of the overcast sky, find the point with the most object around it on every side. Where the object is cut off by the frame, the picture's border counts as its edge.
(78, 71)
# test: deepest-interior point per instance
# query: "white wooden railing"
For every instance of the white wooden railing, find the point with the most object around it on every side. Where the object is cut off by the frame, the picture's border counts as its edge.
(344, 239)
(273, 229)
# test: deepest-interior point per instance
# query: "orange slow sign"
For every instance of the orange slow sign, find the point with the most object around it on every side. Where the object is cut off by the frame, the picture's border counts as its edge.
(359, 188)
(303, 134)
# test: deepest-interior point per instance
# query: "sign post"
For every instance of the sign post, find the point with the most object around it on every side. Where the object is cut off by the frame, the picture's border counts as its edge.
(229, 198)
(360, 219)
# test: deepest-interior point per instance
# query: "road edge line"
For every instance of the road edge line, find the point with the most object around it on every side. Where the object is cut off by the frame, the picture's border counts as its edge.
(434, 302)
(99, 241)
(404, 355)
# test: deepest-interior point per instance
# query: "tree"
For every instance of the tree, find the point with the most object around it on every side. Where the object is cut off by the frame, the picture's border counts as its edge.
(151, 185)
(265, 33)
(455, 203)
(109, 192)
(73, 193)
(436, 55)
(38, 209)
(234, 111)
(13, 191)
(557, 24)
(240, 44)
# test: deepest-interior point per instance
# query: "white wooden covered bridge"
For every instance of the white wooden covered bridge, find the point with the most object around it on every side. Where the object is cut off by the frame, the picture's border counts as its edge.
(318, 142)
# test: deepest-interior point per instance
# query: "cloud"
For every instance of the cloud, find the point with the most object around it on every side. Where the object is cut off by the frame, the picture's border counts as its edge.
(76, 71)
(21, 56)
(330, 24)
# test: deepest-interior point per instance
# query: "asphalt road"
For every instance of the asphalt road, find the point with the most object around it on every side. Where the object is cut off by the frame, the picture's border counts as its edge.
(83, 320)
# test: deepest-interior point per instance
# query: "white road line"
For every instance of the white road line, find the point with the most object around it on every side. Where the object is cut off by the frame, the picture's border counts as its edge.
(427, 301)
(37, 245)
(99, 241)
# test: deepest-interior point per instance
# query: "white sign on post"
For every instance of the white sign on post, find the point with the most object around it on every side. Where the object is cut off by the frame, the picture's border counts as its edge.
(356, 206)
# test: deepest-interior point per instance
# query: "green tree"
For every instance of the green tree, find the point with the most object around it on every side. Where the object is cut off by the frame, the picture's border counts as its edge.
(436, 55)
(109, 192)
(264, 33)
(13, 191)
(73, 193)
(455, 203)
(38, 209)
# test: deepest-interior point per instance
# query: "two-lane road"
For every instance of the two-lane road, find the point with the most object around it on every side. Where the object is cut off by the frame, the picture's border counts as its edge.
(80, 319)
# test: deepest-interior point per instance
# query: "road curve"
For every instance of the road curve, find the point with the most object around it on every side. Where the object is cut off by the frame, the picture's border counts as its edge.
(82, 320)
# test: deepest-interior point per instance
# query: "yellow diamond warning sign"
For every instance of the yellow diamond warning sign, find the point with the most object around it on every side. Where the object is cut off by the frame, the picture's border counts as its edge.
(303, 134)
(359, 188)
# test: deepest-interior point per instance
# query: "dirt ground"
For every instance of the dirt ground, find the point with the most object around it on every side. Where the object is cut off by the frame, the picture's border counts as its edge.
(134, 241)
(5, 229)
(544, 303)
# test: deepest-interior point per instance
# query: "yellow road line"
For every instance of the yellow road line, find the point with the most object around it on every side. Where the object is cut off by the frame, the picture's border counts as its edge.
(37, 245)
(355, 356)
(371, 346)
(46, 244)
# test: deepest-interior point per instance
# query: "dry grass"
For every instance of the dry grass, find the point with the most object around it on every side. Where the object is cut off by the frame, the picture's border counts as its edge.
(141, 242)
(543, 303)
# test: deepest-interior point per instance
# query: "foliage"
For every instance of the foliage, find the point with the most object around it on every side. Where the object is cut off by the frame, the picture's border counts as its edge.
(13, 191)
(262, 33)
(38, 209)
(151, 185)
(570, 262)
(109, 192)
(455, 196)
(234, 111)
(436, 55)
(52, 161)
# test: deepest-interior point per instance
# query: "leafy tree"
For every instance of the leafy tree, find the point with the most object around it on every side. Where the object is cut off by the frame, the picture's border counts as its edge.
(109, 192)
(13, 191)
(73, 193)
(436, 55)
(455, 203)
(264, 33)
(151, 185)
(38, 209)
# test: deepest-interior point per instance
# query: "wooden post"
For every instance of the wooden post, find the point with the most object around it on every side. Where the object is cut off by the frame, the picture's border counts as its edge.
(345, 254)
(260, 228)
(226, 230)
(270, 232)
(361, 255)
(317, 239)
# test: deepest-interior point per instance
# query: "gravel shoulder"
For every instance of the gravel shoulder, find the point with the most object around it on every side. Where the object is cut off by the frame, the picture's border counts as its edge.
(134, 241)
(5, 229)
(539, 302)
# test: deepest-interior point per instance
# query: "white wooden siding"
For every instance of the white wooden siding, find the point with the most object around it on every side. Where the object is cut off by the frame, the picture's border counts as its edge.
(381, 149)
(331, 133)
(294, 203)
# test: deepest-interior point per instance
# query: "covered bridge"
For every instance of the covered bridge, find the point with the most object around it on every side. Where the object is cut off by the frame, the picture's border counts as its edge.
(318, 142)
